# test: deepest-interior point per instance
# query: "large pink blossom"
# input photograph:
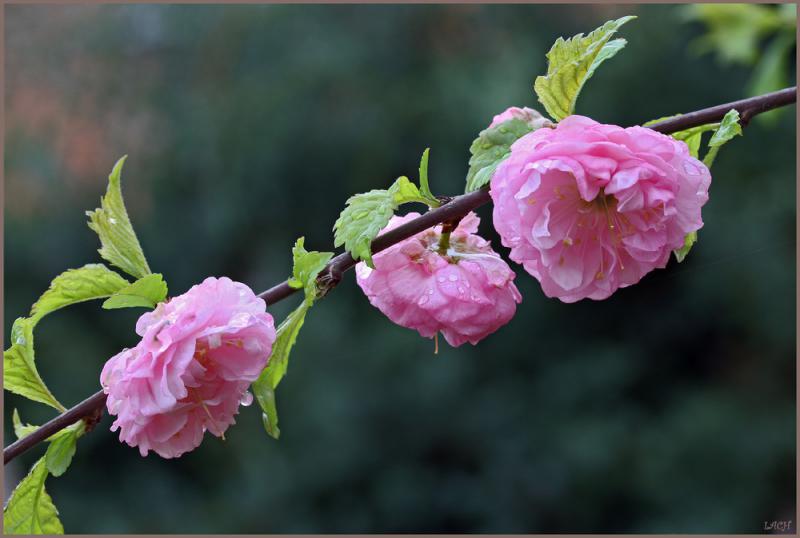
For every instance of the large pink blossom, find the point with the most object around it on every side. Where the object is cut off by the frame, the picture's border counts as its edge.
(465, 293)
(588, 208)
(190, 372)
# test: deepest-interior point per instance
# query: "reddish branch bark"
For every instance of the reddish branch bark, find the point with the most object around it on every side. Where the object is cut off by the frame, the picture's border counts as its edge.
(456, 208)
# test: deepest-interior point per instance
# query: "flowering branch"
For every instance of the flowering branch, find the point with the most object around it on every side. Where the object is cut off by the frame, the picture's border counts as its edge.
(451, 211)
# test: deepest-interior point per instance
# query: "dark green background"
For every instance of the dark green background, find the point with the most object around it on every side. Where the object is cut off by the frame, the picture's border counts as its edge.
(669, 407)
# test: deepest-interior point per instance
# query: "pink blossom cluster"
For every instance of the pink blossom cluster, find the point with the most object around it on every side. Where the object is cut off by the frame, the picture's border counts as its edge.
(198, 355)
(588, 208)
(465, 291)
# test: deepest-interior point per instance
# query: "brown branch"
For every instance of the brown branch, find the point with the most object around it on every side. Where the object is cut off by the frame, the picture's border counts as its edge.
(453, 210)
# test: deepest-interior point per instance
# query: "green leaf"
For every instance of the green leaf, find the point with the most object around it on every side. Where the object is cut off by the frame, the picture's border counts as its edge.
(30, 510)
(266, 399)
(734, 30)
(62, 448)
(92, 281)
(20, 375)
(19, 370)
(571, 62)
(120, 246)
(424, 188)
(688, 243)
(366, 214)
(20, 429)
(148, 291)
(491, 148)
(728, 128)
(307, 266)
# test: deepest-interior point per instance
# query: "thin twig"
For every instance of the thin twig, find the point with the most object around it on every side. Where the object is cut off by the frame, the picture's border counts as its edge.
(454, 209)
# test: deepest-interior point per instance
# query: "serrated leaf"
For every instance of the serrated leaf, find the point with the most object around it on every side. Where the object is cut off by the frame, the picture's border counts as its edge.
(366, 214)
(21, 430)
(62, 448)
(728, 128)
(19, 370)
(571, 62)
(120, 245)
(148, 291)
(20, 375)
(92, 281)
(30, 510)
(491, 148)
(307, 266)
(688, 243)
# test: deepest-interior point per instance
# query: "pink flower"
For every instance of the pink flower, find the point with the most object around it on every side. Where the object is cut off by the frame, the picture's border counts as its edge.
(465, 294)
(588, 208)
(198, 355)
(528, 115)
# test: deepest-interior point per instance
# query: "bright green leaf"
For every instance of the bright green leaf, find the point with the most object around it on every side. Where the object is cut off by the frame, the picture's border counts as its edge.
(148, 291)
(424, 187)
(307, 266)
(571, 62)
(92, 281)
(728, 128)
(19, 370)
(366, 214)
(30, 510)
(491, 148)
(62, 448)
(20, 429)
(120, 246)
(688, 243)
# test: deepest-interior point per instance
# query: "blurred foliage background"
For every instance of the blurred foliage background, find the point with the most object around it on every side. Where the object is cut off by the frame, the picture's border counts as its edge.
(669, 407)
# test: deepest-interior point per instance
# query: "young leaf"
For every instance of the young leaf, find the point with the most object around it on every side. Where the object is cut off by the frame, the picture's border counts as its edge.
(92, 281)
(148, 291)
(20, 429)
(120, 246)
(307, 265)
(571, 62)
(19, 370)
(688, 243)
(728, 128)
(491, 148)
(30, 510)
(366, 214)
(424, 188)
(62, 448)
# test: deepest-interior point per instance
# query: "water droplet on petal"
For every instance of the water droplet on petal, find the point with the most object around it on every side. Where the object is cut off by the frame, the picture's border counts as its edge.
(112, 220)
(430, 291)
(247, 398)
(460, 290)
(440, 279)
(422, 300)
(452, 277)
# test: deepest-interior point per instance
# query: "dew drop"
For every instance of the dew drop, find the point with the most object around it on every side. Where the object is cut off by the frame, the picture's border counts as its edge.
(453, 278)
(440, 279)
(461, 290)
(247, 398)
(422, 300)
(112, 220)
